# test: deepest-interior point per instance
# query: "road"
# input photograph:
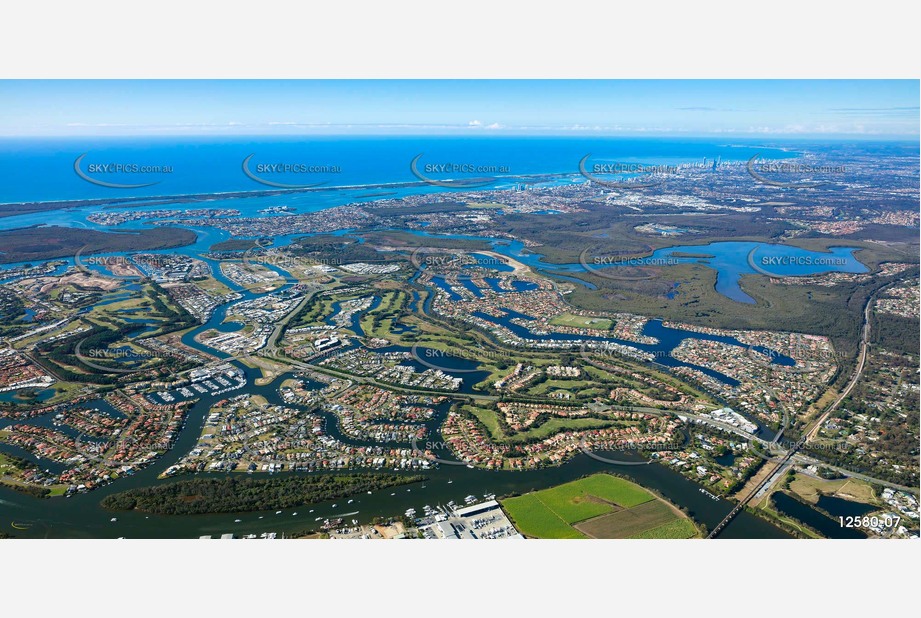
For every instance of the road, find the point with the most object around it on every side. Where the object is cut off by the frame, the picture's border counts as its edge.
(805, 460)
(777, 473)
(790, 458)
(758, 490)
(861, 363)
(269, 347)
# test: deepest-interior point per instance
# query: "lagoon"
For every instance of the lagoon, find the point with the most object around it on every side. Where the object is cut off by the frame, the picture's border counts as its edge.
(730, 260)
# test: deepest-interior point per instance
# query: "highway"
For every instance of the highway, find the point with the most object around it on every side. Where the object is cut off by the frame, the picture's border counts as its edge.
(758, 490)
(780, 468)
(861, 363)
(270, 345)
(791, 457)
(803, 459)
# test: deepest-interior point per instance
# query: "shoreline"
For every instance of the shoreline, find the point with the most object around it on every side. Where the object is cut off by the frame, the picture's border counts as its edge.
(153, 200)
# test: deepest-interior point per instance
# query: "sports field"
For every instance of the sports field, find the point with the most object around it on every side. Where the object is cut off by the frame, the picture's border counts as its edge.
(599, 506)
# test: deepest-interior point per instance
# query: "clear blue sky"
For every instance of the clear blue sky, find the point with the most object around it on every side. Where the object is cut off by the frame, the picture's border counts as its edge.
(619, 107)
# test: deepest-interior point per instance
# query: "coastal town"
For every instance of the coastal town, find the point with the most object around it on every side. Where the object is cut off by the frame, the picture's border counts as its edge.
(448, 343)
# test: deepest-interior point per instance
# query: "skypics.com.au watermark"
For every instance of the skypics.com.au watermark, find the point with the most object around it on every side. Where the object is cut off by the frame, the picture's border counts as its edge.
(110, 263)
(95, 172)
(459, 263)
(112, 452)
(779, 450)
(122, 267)
(258, 260)
(792, 174)
(445, 360)
(426, 451)
(91, 357)
(801, 260)
(801, 349)
(638, 447)
(613, 267)
(262, 256)
(592, 351)
(768, 264)
(786, 167)
(286, 261)
(277, 355)
(643, 174)
(270, 174)
(632, 168)
(457, 174)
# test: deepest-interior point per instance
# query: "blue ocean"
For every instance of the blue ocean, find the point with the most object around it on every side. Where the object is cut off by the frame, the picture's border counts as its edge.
(339, 170)
(44, 169)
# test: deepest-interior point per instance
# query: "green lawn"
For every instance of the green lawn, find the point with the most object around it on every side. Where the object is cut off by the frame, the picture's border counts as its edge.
(569, 385)
(534, 519)
(489, 419)
(549, 513)
(572, 502)
(611, 488)
(559, 424)
(578, 321)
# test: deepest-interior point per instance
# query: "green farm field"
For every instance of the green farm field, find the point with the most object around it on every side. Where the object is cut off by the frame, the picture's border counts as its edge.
(598, 506)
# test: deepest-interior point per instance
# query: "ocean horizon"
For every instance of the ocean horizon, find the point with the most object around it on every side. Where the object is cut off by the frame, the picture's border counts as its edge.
(43, 169)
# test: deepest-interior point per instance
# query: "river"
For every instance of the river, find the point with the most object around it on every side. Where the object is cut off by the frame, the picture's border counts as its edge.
(81, 516)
